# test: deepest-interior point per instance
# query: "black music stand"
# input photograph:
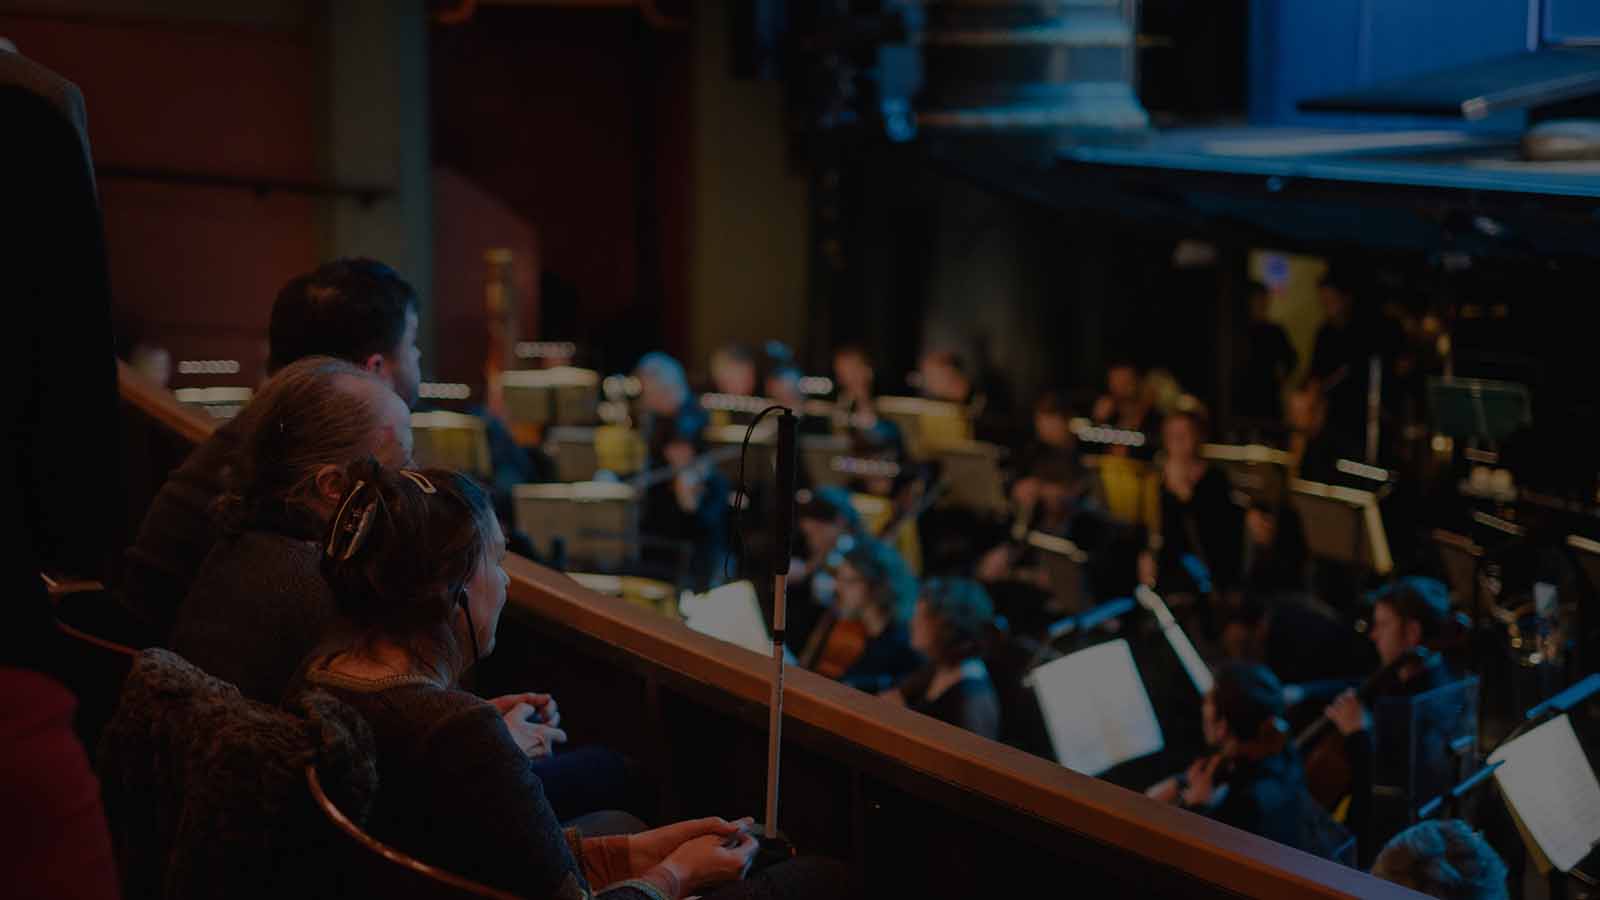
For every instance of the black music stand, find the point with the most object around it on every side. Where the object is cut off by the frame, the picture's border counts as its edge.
(1258, 472)
(1550, 788)
(1477, 408)
(1343, 525)
(1066, 567)
(1435, 736)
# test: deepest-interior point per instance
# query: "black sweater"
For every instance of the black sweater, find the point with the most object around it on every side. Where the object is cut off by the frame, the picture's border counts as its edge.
(258, 607)
(455, 790)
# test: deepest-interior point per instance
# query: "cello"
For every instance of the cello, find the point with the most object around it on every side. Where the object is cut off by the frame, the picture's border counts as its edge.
(1321, 747)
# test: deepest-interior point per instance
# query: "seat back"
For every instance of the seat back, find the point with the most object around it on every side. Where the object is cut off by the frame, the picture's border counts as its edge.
(94, 659)
(377, 870)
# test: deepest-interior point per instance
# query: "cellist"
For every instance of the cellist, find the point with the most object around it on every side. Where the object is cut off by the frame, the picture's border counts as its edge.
(1407, 617)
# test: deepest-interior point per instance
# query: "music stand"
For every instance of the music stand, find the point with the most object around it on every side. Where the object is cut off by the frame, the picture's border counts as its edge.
(1552, 793)
(1096, 708)
(1256, 471)
(1066, 568)
(597, 520)
(1477, 408)
(559, 396)
(1342, 524)
(927, 426)
(972, 469)
(572, 448)
(817, 453)
(451, 440)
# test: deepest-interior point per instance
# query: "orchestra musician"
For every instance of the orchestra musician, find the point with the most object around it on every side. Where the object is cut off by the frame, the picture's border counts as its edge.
(1407, 617)
(855, 406)
(691, 506)
(1268, 360)
(733, 370)
(866, 643)
(1129, 405)
(1201, 527)
(829, 524)
(1314, 444)
(1253, 779)
(949, 627)
(783, 386)
(1051, 476)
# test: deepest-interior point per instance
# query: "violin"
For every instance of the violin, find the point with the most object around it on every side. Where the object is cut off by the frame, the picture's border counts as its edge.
(1321, 747)
(835, 646)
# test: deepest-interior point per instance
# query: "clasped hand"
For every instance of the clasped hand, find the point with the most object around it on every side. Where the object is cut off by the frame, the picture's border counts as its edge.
(700, 852)
(532, 720)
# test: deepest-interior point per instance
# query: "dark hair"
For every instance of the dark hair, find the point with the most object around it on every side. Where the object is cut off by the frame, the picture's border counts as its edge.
(1341, 277)
(1444, 859)
(347, 308)
(964, 611)
(1254, 288)
(1194, 412)
(890, 585)
(399, 555)
(310, 414)
(1053, 402)
(829, 504)
(1247, 696)
(948, 359)
(852, 349)
(735, 352)
(1419, 599)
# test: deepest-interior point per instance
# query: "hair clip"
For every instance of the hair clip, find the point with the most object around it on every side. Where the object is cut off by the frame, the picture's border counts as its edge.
(420, 480)
(356, 530)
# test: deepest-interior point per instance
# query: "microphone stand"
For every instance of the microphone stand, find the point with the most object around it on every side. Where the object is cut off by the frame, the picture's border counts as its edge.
(775, 848)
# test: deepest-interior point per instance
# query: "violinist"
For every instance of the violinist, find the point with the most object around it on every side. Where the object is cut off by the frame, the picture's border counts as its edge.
(949, 627)
(1253, 779)
(828, 525)
(1050, 475)
(1201, 527)
(867, 645)
(1407, 617)
(855, 406)
(692, 506)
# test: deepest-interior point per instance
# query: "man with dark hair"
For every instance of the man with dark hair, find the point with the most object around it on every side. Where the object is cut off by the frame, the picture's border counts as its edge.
(1444, 859)
(1252, 780)
(353, 309)
(357, 310)
(1406, 616)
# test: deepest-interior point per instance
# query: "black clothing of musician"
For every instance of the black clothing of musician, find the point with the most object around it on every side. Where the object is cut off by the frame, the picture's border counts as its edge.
(1269, 357)
(1370, 767)
(1208, 528)
(971, 703)
(1265, 797)
(887, 659)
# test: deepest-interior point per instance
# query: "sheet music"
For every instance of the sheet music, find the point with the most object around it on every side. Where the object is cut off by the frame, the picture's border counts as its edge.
(1096, 708)
(1549, 784)
(731, 613)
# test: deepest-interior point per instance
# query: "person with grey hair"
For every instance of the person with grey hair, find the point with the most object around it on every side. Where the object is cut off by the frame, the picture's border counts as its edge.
(1444, 859)
(692, 506)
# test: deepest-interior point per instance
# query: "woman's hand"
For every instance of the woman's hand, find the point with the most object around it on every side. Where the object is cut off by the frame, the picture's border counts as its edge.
(649, 848)
(544, 705)
(534, 738)
(711, 859)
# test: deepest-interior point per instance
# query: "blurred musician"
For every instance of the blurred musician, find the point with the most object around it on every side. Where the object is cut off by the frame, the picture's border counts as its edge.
(1408, 617)
(1276, 555)
(1296, 637)
(1444, 859)
(691, 506)
(1314, 444)
(1349, 337)
(1127, 404)
(1268, 360)
(949, 626)
(1201, 527)
(1050, 476)
(855, 406)
(944, 377)
(1253, 780)
(733, 370)
(783, 386)
(867, 644)
(829, 525)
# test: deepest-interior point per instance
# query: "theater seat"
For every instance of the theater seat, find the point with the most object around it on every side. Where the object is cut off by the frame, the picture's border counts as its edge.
(377, 870)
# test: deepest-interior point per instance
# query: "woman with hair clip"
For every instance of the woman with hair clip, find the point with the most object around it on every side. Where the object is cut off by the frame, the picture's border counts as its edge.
(948, 628)
(414, 559)
(258, 604)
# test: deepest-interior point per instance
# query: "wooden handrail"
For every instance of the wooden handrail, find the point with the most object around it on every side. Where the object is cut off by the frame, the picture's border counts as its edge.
(1010, 779)
(158, 403)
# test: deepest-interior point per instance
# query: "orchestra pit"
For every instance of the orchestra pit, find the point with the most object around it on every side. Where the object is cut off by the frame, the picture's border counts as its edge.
(745, 449)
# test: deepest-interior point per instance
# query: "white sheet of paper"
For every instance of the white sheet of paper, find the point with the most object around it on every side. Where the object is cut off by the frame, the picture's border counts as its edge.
(1096, 708)
(732, 613)
(1549, 783)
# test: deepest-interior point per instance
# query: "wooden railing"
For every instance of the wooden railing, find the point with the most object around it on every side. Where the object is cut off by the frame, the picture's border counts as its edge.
(920, 808)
